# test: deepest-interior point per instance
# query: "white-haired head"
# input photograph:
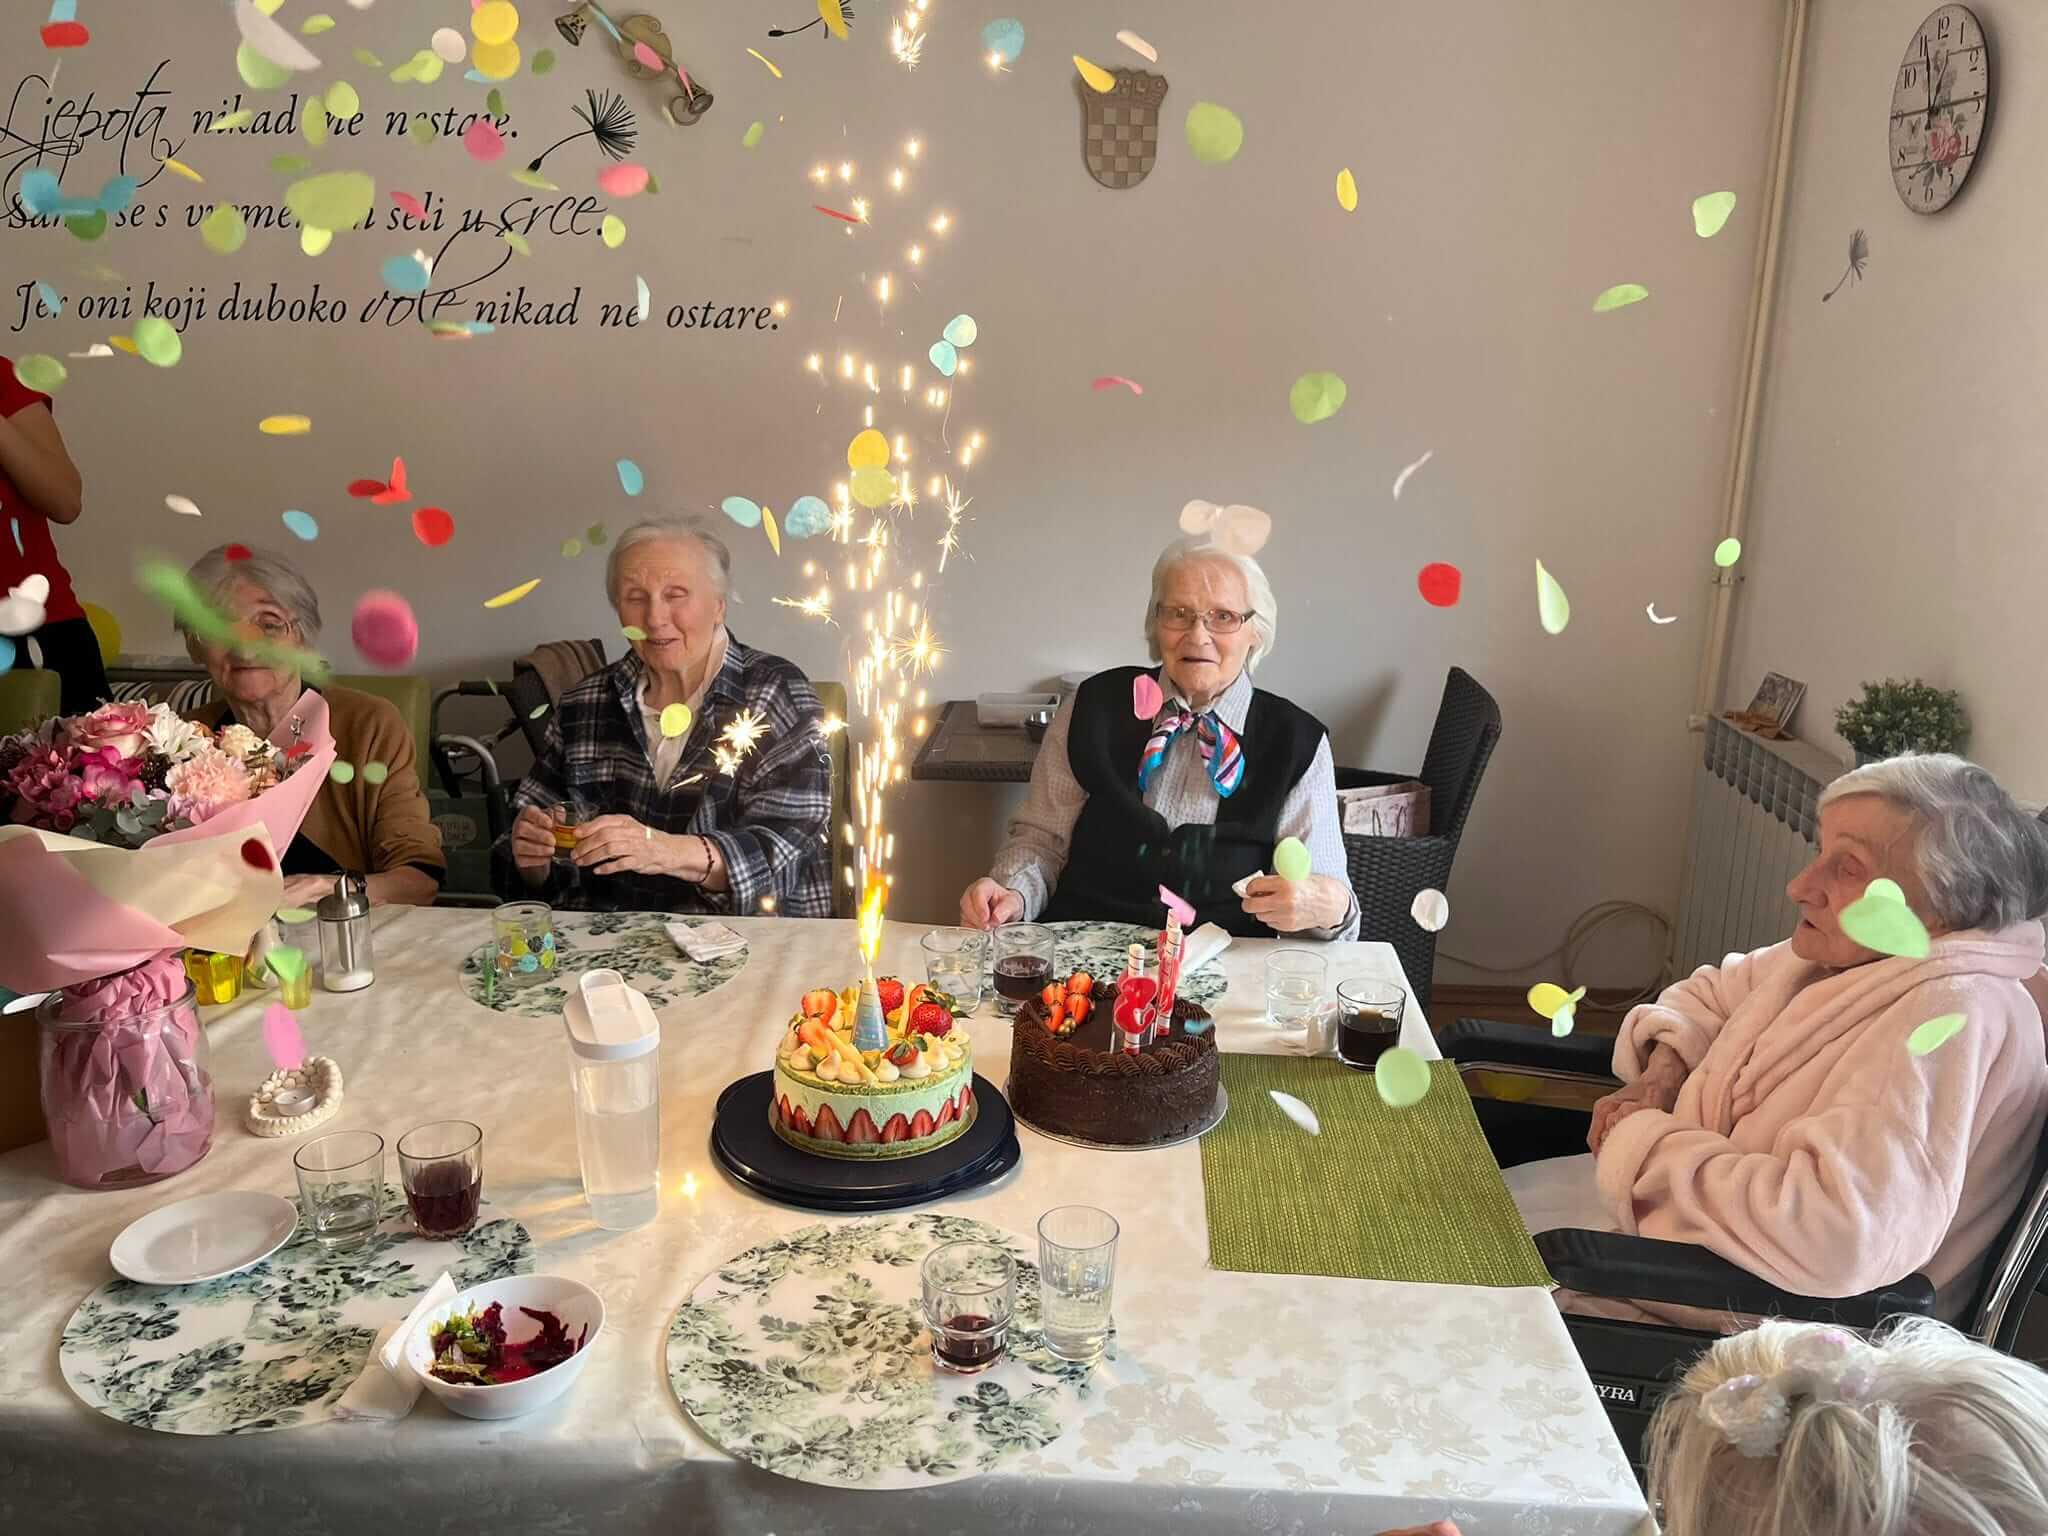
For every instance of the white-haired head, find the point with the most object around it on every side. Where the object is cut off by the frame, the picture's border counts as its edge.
(1265, 619)
(1937, 1435)
(1982, 858)
(676, 529)
(214, 575)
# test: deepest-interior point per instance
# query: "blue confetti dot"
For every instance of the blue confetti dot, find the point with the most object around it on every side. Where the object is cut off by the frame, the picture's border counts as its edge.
(6, 653)
(405, 274)
(302, 524)
(807, 517)
(52, 299)
(118, 194)
(741, 511)
(1004, 37)
(944, 357)
(631, 481)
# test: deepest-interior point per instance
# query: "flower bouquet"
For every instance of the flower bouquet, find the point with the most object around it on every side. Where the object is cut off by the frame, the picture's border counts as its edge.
(134, 834)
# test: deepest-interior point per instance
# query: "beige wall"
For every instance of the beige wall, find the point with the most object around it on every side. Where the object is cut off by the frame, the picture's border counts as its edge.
(1897, 522)
(1513, 160)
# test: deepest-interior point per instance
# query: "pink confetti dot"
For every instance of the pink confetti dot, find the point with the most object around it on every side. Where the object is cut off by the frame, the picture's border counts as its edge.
(410, 204)
(483, 141)
(1146, 699)
(384, 629)
(622, 180)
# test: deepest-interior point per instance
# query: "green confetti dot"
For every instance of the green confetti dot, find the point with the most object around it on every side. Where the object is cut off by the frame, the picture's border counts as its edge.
(1317, 397)
(536, 712)
(343, 102)
(342, 773)
(314, 124)
(1727, 552)
(571, 548)
(612, 231)
(88, 226)
(41, 373)
(158, 342)
(258, 73)
(367, 59)
(376, 773)
(295, 914)
(630, 631)
(338, 200)
(315, 24)
(1620, 296)
(423, 130)
(1710, 212)
(288, 960)
(517, 241)
(495, 102)
(1215, 133)
(231, 122)
(291, 165)
(1935, 1033)
(1402, 1077)
(224, 230)
(544, 61)
(1291, 860)
(594, 534)
(1553, 608)
(753, 134)
(1879, 919)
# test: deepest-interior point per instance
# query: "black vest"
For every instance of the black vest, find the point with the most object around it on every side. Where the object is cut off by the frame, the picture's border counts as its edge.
(1122, 850)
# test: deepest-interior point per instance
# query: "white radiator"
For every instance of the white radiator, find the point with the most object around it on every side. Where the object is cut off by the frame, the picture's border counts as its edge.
(1753, 828)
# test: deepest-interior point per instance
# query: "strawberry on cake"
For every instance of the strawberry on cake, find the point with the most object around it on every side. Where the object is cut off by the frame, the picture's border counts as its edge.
(910, 1097)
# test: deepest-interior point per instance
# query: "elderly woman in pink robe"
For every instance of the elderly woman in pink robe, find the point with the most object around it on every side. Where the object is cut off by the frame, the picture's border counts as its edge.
(1773, 1109)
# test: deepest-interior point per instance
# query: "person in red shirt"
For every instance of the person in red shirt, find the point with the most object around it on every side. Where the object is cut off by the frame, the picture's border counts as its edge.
(39, 485)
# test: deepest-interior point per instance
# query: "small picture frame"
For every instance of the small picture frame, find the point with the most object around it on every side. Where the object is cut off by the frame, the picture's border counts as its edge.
(1777, 696)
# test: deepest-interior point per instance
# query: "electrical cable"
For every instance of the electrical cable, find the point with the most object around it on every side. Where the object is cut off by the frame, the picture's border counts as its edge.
(1576, 936)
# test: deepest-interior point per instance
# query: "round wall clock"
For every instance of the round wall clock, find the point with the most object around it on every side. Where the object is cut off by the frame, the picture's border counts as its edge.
(1941, 101)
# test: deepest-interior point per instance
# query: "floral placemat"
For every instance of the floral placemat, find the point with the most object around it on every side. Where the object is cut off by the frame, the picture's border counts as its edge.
(808, 1356)
(1100, 948)
(635, 944)
(276, 1345)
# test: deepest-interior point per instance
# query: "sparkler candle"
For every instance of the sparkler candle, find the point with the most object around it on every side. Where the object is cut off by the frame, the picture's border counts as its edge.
(870, 1029)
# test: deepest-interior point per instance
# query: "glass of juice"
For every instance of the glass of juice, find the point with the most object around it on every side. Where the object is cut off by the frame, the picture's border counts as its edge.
(1368, 1020)
(442, 1167)
(1023, 956)
(970, 1292)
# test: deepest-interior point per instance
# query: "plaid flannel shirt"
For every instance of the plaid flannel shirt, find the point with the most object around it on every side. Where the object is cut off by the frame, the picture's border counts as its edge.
(771, 820)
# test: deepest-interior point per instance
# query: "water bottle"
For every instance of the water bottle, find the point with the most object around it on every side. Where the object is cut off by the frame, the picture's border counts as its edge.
(615, 1071)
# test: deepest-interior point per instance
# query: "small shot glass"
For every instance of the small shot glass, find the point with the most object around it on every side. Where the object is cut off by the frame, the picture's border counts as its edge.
(970, 1294)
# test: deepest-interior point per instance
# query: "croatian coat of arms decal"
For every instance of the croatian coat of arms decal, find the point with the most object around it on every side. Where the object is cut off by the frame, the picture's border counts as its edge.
(1120, 127)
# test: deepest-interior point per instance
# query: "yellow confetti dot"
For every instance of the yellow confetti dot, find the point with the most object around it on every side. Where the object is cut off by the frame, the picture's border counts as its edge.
(494, 61)
(774, 534)
(869, 450)
(1547, 997)
(343, 102)
(766, 60)
(1098, 78)
(285, 426)
(313, 241)
(612, 231)
(507, 598)
(675, 720)
(182, 169)
(495, 21)
(1347, 190)
(126, 345)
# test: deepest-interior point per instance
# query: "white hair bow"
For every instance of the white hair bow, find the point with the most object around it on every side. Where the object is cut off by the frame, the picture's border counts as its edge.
(1825, 1365)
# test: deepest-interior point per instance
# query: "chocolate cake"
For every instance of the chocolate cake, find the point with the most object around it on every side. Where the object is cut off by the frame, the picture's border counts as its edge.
(1077, 1085)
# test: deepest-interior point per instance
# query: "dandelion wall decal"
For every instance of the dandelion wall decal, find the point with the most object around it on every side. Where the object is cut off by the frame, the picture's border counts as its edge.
(1859, 253)
(606, 118)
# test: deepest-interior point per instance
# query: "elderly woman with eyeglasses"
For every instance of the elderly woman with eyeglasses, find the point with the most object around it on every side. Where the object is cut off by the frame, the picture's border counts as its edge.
(1191, 794)
(1830, 1116)
(378, 828)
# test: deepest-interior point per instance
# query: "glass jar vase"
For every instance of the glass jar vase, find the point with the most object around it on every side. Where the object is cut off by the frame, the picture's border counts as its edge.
(125, 1087)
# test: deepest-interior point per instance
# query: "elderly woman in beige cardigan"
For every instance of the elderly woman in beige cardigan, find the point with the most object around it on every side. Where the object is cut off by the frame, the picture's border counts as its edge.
(379, 829)
(1773, 1110)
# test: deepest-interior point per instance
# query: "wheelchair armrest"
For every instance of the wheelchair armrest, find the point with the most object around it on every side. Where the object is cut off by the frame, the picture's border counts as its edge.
(1527, 1045)
(1684, 1274)
(1368, 778)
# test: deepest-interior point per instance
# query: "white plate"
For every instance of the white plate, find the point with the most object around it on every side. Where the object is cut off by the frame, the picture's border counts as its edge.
(203, 1238)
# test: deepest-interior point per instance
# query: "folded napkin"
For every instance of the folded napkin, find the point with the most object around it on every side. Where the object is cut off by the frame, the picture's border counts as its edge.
(706, 941)
(1202, 946)
(1239, 885)
(388, 1387)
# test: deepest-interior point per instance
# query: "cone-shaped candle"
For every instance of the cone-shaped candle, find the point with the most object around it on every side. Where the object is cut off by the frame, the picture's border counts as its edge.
(870, 1029)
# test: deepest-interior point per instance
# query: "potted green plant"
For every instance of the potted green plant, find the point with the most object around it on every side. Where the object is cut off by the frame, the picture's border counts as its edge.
(1897, 715)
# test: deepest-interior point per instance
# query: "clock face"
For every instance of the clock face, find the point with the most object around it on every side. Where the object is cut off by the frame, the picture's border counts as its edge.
(1940, 101)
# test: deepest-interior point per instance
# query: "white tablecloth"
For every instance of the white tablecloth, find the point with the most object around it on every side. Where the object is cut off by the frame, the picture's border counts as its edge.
(1242, 1403)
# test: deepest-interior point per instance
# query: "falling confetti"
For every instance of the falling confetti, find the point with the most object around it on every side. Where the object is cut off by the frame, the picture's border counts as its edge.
(271, 43)
(774, 534)
(753, 134)
(1098, 78)
(1347, 190)
(623, 180)
(384, 629)
(281, 1037)
(675, 721)
(1297, 1111)
(1935, 1033)
(1402, 1078)
(483, 141)
(1139, 46)
(1655, 617)
(158, 342)
(641, 297)
(184, 506)
(1620, 296)
(512, 595)
(757, 53)
(833, 14)
(1112, 380)
(1431, 910)
(633, 632)
(742, 511)
(42, 373)
(1316, 397)
(808, 516)
(342, 773)
(631, 481)
(1553, 608)
(1401, 479)
(836, 214)
(1291, 860)
(612, 230)
(1214, 133)
(285, 426)
(1727, 552)
(301, 525)
(376, 773)
(224, 230)
(432, 526)
(1710, 213)
(181, 168)
(1879, 919)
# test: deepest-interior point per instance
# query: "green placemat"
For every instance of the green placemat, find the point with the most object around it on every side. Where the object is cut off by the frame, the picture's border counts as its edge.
(1381, 1194)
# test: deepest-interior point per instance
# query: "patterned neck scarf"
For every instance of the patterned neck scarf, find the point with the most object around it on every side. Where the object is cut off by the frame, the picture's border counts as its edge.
(1222, 753)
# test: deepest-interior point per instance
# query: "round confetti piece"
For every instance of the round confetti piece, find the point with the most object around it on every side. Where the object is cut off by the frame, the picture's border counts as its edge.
(284, 426)
(314, 242)
(484, 143)
(384, 629)
(1147, 699)
(961, 330)
(1710, 212)
(1431, 909)
(1553, 608)
(88, 226)
(752, 136)
(1317, 397)
(343, 102)
(184, 506)
(808, 517)
(1004, 38)
(106, 629)
(594, 535)
(1402, 1078)
(494, 61)
(376, 773)
(335, 200)
(872, 487)
(224, 230)
(342, 772)
(1727, 552)
(633, 632)
(1347, 190)
(303, 525)
(868, 450)
(236, 553)
(1547, 997)
(259, 73)
(612, 231)
(41, 373)
(1620, 296)
(432, 526)
(945, 357)
(406, 274)
(622, 180)
(158, 341)
(511, 595)
(571, 548)
(1935, 1033)
(1291, 860)
(450, 45)
(1880, 920)
(631, 480)
(742, 511)
(256, 856)
(1214, 133)
(1439, 584)
(6, 653)
(1198, 517)
(495, 21)
(1099, 79)
(544, 62)
(675, 721)
(1242, 530)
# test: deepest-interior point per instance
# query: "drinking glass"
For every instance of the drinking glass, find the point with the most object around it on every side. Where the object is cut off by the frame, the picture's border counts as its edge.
(1076, 1271)
(296, 990)
(953, 960)
(970, 1292)
(1294, 987)
(1024, 953)
(441, 1165)
(1368, 1020)
(341, 1188)
(524, 945)
(569, 815)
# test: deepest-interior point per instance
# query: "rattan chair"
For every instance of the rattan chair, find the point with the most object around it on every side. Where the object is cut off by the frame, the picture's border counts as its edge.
(1387, 872)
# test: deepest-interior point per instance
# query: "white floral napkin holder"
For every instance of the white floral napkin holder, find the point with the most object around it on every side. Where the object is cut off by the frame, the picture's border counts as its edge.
(295, 1101)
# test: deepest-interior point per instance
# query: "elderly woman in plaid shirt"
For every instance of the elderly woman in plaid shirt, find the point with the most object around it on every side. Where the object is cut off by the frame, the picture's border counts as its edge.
(633, 758)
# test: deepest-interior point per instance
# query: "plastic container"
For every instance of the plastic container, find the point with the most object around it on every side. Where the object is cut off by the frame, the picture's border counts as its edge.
(615, 1072)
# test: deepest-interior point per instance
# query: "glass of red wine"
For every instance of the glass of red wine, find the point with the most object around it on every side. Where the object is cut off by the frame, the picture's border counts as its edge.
(442, 1166)
(1368, 1020)
(970, 1292)
(1023, 963)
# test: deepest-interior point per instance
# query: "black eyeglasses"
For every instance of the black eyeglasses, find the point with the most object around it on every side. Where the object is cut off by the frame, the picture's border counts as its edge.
(1218, 621)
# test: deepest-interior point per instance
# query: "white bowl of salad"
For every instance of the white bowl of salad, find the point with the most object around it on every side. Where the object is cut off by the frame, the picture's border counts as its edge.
(508, 1346)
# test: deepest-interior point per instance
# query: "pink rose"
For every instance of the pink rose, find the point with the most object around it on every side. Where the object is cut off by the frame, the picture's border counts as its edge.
(124, 727)
(107, 776)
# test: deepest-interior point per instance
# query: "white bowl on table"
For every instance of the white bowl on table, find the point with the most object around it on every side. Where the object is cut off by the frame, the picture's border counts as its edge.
(572, 1301)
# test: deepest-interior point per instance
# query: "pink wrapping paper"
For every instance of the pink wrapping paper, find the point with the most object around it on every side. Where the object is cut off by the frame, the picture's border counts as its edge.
(71, 912)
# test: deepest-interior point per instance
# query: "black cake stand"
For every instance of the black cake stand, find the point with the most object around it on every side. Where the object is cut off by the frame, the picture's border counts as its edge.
(747, 1147)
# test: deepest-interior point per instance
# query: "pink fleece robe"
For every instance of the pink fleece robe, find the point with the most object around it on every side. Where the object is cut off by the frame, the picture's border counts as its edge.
(1808, 1145)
